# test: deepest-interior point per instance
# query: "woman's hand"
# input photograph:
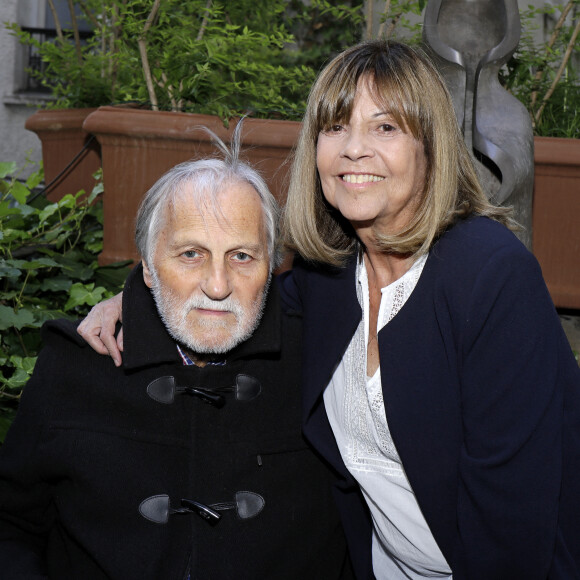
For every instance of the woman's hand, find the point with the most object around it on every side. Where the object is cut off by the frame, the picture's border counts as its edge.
(98, 328)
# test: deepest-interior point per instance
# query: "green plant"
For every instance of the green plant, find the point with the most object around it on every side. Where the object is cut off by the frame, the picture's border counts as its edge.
(48, 269)
(226, 61)
(545, 76)
(204, 56)
(82, 72)
(260, 56)
(322, 29)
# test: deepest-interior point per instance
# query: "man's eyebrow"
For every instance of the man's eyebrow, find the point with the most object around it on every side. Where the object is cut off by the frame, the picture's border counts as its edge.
(185, 243)
(238, 247)
(254, 248)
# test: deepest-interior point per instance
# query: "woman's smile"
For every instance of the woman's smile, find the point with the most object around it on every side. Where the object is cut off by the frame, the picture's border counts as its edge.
(361, 178)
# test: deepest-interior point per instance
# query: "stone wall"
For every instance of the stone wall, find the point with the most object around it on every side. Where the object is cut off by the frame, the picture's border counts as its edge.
(16, 143)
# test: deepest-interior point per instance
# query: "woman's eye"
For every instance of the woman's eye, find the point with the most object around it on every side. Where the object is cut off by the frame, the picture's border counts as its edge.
(386, 128)
(333, 129)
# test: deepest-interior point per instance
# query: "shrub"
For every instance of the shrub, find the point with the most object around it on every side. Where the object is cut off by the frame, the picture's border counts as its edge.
(545, 76)
(180, 55)
(48, 269)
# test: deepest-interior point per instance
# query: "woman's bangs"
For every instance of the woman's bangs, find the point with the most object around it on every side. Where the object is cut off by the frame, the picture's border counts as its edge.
(392, 97)
(336, 100)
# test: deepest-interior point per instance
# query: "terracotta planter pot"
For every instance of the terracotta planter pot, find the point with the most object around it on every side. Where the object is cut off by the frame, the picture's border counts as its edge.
(138, 146)
(63, 138)
(556, 217)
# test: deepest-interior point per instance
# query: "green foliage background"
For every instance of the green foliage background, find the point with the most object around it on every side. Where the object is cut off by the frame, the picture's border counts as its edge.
(48, 269)
(260, 57)
(521, 76)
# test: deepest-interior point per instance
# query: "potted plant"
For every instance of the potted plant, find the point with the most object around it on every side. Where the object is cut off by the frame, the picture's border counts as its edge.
(172, 60)
(546, 78)
(209, 72)
(81, 72)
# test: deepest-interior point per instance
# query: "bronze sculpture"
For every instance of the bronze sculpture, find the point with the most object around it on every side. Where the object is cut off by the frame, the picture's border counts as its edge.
(471, 40)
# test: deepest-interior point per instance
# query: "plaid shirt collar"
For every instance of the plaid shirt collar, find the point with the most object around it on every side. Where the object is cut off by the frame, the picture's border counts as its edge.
(188, 362)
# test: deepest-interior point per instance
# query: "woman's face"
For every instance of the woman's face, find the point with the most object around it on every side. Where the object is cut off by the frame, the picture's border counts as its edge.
(370, 169)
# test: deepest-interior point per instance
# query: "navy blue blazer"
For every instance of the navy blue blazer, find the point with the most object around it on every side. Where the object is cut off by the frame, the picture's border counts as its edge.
(482, 397)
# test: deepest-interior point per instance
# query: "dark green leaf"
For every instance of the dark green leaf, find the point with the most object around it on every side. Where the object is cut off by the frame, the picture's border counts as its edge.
(19, 319)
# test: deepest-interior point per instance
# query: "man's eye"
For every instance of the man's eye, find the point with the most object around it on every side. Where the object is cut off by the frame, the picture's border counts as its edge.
(190, 254)
(242, 257)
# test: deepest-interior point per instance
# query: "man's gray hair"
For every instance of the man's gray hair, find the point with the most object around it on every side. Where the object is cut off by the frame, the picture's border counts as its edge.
(208, 178)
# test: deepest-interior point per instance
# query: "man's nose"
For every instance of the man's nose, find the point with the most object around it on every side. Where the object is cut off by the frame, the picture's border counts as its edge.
(217, 284)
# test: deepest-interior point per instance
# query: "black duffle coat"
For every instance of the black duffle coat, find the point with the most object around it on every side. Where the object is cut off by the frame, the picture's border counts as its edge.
(125, 473)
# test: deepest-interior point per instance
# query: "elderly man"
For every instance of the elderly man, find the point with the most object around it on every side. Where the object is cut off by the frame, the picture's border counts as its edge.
(187, 461)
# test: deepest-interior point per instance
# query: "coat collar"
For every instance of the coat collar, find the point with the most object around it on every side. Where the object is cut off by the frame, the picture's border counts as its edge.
(147, 342)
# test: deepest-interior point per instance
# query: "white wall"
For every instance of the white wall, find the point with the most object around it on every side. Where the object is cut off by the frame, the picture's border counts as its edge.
(16, 143)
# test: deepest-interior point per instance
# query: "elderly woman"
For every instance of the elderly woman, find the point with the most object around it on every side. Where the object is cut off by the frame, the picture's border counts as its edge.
(437, 379)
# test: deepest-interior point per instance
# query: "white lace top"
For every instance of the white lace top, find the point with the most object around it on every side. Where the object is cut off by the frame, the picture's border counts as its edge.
(403, 545)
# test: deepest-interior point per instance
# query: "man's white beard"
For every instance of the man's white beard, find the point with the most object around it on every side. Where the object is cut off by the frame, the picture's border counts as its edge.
(174, 311)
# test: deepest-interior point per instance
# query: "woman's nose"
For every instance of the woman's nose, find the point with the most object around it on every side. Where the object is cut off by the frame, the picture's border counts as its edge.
(356, 146)
(216, 284)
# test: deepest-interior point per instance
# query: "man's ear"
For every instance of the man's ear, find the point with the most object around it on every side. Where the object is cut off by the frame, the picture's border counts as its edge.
(147, 275)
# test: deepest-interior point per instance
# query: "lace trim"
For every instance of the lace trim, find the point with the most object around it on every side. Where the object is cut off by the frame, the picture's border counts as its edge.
(370, 446)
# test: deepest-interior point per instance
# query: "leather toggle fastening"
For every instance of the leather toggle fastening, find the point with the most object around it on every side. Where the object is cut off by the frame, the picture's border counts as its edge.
(164, 389)
(247, 388)
(246, 504)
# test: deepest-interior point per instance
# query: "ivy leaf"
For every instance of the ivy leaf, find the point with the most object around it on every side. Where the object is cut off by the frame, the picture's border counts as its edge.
(34, 179)
(77, 270)
(56, 285)
(40, 263)
(17, 380)
(48, 211)
(8, 271)
(20, 192)
(43, 315)
(84, 294)
(6, 209)
(7, 168)
(25, 363)
(97, 190)
(11, 319)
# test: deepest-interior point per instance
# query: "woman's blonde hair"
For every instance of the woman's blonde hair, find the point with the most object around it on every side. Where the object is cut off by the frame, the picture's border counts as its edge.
(405, 82)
